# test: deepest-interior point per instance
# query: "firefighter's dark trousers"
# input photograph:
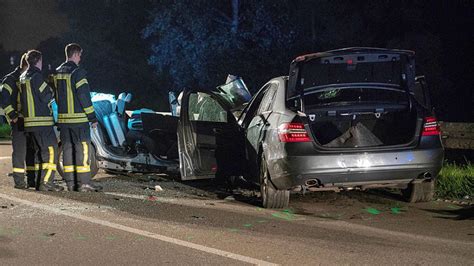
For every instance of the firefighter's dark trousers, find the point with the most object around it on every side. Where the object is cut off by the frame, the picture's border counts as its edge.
(23, 150)
(46, 145)
(76, 143)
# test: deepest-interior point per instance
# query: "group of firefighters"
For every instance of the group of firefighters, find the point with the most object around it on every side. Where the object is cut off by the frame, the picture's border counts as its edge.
(27, 101)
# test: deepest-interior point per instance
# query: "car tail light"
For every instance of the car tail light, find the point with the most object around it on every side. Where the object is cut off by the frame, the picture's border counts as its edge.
(293, 132)
(430, 127)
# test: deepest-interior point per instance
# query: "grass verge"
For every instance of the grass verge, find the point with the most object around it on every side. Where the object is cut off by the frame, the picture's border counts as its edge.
(5, 131)
(455, 181)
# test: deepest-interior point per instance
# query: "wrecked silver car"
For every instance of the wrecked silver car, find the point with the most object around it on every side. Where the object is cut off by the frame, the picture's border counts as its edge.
(354, 118)
(139, 141)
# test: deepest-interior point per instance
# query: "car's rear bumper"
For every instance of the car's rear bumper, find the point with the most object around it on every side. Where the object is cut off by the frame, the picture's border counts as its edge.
(355, 169)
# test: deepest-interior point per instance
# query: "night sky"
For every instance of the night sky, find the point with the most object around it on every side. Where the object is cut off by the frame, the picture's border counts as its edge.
(24, 24)
(118, 56)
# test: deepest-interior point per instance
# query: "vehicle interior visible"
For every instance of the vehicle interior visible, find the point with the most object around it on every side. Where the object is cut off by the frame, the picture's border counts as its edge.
(138, 132)
(362, 100)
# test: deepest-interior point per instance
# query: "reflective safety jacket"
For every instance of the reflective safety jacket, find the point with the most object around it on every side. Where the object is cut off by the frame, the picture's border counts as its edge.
(36, 97)
(9, 96)
(73, 96)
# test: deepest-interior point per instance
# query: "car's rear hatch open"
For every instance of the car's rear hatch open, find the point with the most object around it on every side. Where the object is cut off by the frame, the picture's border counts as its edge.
(356, 97)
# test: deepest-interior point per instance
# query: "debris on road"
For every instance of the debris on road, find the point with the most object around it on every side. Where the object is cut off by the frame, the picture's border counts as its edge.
(229, 198)
(285, 215)
(158, 188)
(372, 211)
(152, 198)
(395, 210)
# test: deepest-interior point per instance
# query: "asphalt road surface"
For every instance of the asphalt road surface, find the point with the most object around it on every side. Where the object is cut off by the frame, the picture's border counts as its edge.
(201, 223)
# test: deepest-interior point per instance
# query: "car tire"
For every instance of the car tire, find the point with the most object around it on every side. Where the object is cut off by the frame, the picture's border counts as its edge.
(272, 198)
(419, 192)
(92, 154)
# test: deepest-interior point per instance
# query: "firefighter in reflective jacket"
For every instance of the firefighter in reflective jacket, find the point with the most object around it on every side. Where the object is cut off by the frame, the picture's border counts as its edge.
(9, 103)
(75, 111)
(21, 146)
(36, 97)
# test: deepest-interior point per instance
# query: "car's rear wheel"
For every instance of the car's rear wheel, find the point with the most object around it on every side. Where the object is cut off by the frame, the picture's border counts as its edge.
(419, 192)
(92, 154)
(272, 198)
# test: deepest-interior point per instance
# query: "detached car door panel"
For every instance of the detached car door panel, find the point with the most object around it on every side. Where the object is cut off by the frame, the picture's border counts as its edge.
(209, 138)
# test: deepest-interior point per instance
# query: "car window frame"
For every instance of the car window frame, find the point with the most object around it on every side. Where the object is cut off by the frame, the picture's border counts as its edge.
(267, 99)
(211, 97)
(253, 106)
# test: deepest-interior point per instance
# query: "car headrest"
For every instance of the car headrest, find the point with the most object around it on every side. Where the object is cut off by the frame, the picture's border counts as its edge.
(122, 101)
(128, 98)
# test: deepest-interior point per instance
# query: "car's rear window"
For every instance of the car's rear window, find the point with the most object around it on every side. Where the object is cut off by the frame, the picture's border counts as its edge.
(351, 95)
(317, 73)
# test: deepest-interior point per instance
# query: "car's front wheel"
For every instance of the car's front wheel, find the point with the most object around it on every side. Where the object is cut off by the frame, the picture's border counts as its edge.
(419, 192)
(272, 198)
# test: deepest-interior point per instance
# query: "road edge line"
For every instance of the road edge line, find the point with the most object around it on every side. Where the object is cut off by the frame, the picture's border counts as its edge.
(128, 229)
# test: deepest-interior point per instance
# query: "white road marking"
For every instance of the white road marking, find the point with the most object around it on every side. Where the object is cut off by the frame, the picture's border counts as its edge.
(132, 230)
(5, 157)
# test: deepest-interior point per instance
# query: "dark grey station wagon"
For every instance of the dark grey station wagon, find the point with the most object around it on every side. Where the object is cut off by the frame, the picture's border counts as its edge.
(354, 118)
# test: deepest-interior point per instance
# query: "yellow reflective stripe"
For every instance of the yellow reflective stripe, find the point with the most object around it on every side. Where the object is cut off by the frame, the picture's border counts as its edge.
(29, 99)
(81, 82)
(89, 110)
(75, 115)
(38, 119)
(50, 166)
(8, 109)
(70, 97)
(33, 168)
(47, 176)
(63, 76)
(18, 102)
(9, 89)
(68, 168)
(72, 120)
(18, 170)
(51, 155)
(85, 150)
(39, 124)
(43, 86)
(83, 169)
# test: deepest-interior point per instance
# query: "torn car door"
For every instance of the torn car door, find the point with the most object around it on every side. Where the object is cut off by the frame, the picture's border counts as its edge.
(209, 140)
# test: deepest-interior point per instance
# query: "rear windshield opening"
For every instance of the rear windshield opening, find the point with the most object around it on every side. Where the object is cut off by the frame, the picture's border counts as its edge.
(318, 73)
(354, 96)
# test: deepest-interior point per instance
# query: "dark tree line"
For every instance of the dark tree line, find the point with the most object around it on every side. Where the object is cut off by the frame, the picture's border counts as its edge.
(197, 42)
(150, 47)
